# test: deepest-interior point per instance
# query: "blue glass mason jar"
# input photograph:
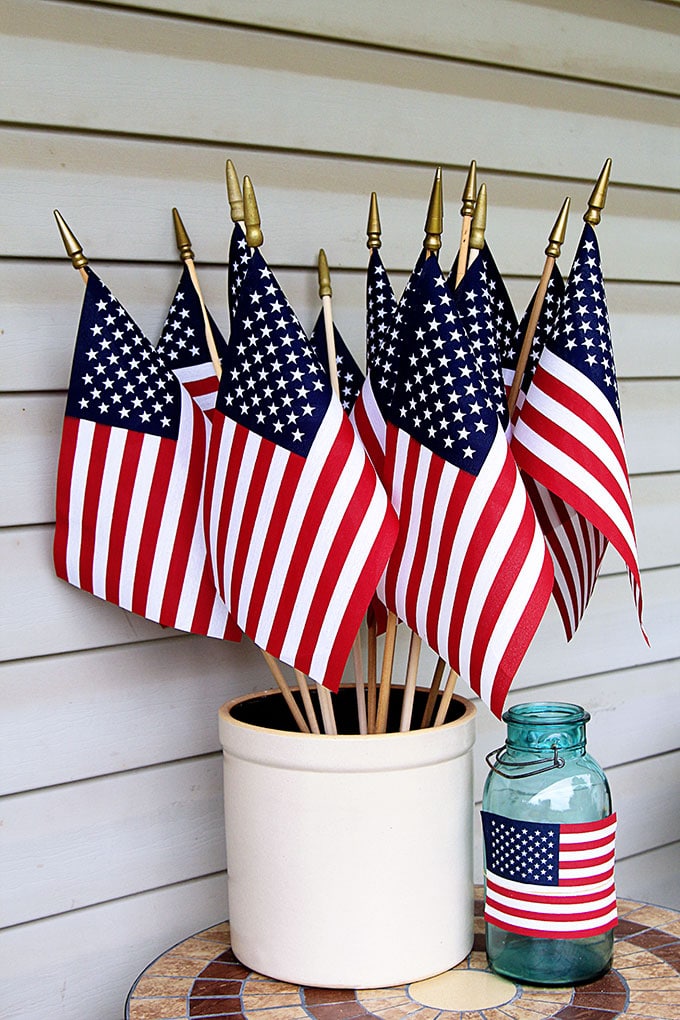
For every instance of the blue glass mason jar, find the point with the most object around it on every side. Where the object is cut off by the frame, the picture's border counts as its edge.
(550, 904)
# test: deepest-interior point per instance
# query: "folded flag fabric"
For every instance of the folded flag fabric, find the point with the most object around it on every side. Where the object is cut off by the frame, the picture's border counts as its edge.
(129, 526)
(470, 572)
(548, 880)
(183, 344)
(484, 305)
(568, 436)
(299, 527)
(350, 376)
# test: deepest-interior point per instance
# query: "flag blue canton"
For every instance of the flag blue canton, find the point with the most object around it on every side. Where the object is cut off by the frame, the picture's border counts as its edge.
(272, 383)
(521, 851)
(546, 328)
(182, 343)
(350, 376)
(117, 379)
(490, 322)
(381, 306)
(584, 339)
(440, 399)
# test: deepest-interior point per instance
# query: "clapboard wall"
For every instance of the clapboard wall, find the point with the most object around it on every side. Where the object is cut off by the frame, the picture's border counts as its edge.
(112, 843)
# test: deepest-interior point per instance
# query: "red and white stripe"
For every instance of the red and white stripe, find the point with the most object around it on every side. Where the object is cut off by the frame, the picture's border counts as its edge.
(569, 439)
(584, 901)
(297, 543)
(370, 425)
(470, 571)
(201, 383)
(129, 522)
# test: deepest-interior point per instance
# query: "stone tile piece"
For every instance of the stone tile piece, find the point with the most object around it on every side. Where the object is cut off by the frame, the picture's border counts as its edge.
(650, 938)
(197, 948)
(585, 1013)
(176, 966)
(625, 928)
(269, 985)
(213, 987)
(519, 1010)
(159, 987)
(560, 996)
(314, 996)
(158, 1009)
(227, 1005)
(223, 969)
(258, 1000)
(614, 1001)
(339, 1011)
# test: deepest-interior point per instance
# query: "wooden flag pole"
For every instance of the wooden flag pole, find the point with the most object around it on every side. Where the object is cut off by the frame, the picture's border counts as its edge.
(303, 687)
(434, 691)
(440, 717)
(372, 682)
(466, 211)
(326, 294)
(187, 257)
(410, 682)
(72, 245)
(552, 252)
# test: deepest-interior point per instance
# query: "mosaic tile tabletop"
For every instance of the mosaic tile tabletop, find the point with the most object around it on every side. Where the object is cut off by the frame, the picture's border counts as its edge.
(201, 977)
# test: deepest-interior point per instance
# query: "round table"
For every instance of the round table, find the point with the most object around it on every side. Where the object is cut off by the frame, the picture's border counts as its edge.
(201, 977)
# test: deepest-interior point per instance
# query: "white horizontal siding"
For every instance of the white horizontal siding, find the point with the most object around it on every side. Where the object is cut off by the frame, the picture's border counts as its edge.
(114, 113)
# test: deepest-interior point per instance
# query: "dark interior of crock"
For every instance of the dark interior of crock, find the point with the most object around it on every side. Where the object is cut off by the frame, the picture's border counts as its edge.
(271, 711)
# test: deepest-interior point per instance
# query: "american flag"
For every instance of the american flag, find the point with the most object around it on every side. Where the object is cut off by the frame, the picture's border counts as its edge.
(350, 376)
(130, 478)
(381, 360)
(470, 572)
(239, 256)
(549, 880)
(569, 437)
(490, 322)
(299, 526)
(184, 347)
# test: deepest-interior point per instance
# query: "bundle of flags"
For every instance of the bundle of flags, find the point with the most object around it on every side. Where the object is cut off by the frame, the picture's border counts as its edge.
(224, 488)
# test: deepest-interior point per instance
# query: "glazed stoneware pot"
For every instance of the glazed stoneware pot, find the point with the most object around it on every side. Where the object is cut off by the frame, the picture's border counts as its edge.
(349, 857)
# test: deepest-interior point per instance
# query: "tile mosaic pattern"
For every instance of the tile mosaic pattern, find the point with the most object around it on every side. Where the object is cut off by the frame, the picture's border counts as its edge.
(201, 977)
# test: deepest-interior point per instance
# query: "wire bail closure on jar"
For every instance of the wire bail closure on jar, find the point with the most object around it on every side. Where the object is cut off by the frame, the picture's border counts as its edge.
(555, 762)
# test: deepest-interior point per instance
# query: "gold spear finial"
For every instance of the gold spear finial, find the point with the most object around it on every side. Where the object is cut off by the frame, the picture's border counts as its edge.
(559, 231)
(325, 289)
(73, 247)
(478, 226)
(470, 191)
(234, 193)
(434, 224)
(251, 215)
(373, 230)
(598, 197)
(182, 238)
